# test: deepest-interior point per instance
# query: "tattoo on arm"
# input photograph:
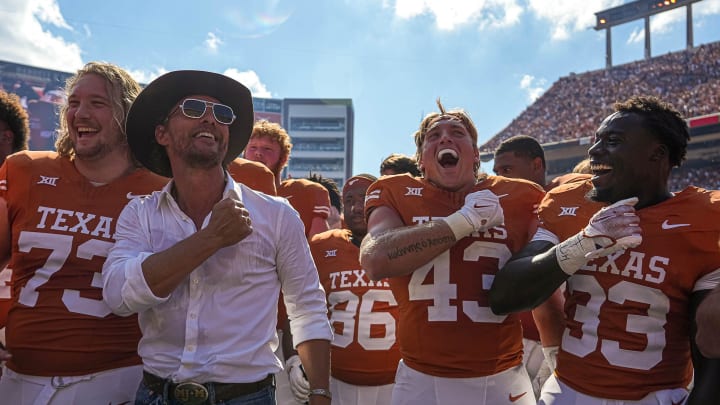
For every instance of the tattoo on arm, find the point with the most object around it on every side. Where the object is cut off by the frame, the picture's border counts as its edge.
(419, 246)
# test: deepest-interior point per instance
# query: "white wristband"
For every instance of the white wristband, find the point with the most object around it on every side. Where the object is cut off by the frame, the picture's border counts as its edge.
(460, 226)
(571, 253)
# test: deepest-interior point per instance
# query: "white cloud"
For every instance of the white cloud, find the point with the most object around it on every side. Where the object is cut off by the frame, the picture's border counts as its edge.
(533, 88)
(660, 24)
(213, 42)
(638, 35)
(145, 76)
(451, 14)
(707, 7)
(48, 11)
(26, 39)
(568, 16)
(564, 17)
(251, 80)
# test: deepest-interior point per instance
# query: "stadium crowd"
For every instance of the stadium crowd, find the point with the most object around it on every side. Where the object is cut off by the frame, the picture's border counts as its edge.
(572, 106)
(706, 177)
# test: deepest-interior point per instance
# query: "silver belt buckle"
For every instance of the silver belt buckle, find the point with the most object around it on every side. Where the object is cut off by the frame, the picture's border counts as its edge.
(191, 393)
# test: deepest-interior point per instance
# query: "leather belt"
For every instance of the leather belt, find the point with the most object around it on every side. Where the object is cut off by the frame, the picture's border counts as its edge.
(192, 393)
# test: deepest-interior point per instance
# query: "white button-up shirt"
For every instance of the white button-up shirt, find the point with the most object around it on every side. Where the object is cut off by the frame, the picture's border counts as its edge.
(220, 323)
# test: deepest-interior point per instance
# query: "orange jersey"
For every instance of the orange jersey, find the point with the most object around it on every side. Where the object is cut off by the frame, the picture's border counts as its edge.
(628, 314)
(62, 229)
(447, 327)
(530, 330)
(309, 199)
(363, 313)
(567, 178)
(253, 174)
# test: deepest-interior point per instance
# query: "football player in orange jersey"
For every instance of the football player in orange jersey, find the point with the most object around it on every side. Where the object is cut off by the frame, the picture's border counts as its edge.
(14, 125)
(334, 219)
(253, 174)
(363, 312)
(59, 212)
(522, 157)
(270, 145)
(14, 130)
(637, 260)
(439, 239)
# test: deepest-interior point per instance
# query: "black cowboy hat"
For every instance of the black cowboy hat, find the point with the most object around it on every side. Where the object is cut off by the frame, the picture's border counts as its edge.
(156, 100)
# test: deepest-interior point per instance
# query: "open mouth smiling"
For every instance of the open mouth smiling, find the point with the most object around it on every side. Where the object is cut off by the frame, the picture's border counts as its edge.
(82, 131)
(447, 158)
(599, 169)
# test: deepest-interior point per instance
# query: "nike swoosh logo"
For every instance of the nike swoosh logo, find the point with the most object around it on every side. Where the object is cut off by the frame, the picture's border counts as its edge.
(480, 206)
(501, 196)
(516, 397)
(666, 225)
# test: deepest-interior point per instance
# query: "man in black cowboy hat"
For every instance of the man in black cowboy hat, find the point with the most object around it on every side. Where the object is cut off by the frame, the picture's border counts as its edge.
(203, 261)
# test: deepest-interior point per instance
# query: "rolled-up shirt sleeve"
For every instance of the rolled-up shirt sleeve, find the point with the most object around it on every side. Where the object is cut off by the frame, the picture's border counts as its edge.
(302, 291)
(125, 289)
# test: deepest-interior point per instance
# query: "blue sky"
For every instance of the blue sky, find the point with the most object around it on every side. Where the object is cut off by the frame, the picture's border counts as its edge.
(393, 58)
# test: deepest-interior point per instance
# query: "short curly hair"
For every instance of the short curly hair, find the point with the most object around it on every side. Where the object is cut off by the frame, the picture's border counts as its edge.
(16, 118)
(275, 132)
(661, 120)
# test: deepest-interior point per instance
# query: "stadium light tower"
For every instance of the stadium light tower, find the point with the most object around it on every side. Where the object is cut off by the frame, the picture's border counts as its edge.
(636, 10)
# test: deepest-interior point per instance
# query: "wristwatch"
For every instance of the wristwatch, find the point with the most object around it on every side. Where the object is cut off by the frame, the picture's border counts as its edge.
(321, 392)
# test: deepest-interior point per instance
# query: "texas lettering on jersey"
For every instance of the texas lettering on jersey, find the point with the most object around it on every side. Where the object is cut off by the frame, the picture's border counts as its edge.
(628, 314)
(363, 313)
(58, 219)
(62, 231)
(448, 329)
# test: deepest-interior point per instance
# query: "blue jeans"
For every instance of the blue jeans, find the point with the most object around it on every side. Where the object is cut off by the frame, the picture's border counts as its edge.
(265, 396)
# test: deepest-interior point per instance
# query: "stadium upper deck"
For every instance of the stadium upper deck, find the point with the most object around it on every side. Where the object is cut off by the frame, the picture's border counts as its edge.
(573, 106)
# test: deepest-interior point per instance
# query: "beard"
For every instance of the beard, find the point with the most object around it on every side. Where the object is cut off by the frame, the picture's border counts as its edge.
(201, 159)
(597, 195)
(97, 151)
(197, 160)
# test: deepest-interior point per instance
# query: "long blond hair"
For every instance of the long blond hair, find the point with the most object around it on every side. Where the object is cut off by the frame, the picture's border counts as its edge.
(121, 88)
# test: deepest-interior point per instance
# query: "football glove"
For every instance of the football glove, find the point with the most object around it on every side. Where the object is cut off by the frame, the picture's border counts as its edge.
(481, 211)
(613, 228)
(299, 384)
